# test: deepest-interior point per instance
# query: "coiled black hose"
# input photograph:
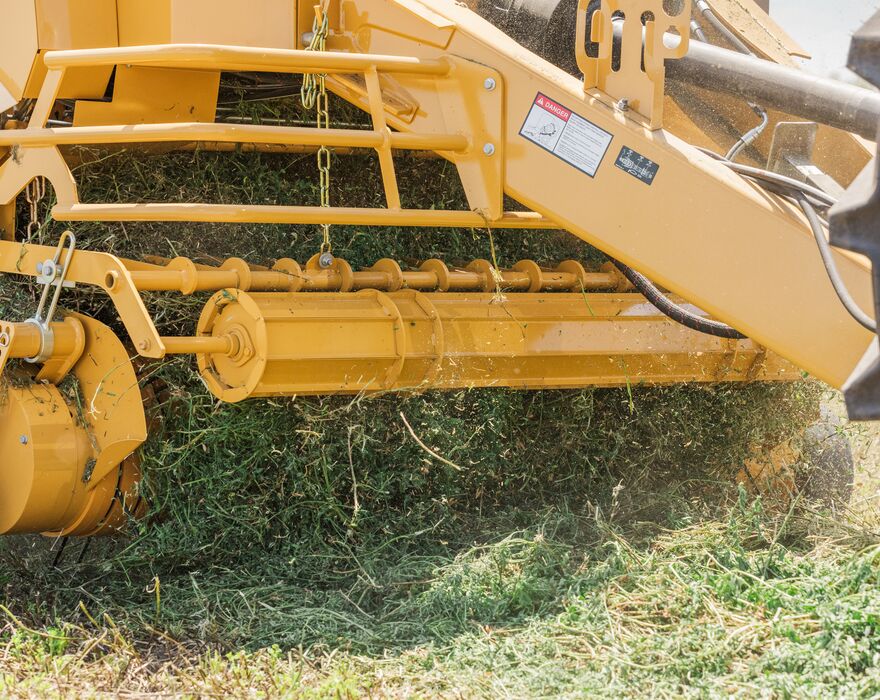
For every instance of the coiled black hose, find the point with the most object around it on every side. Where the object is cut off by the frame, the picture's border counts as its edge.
(673, 310)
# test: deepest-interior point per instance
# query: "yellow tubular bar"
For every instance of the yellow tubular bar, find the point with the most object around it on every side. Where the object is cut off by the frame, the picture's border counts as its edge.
(208, 57)
(231, 133)
(191, 346)
(268, 214)
(26, 339)
(21, 340)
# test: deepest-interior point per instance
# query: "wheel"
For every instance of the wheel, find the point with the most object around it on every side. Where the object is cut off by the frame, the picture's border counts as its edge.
(818, 466)
(828, 472)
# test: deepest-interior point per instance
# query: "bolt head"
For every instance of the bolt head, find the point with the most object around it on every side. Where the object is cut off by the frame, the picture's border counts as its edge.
(23, 440)
(144, 345)
(325, 260)
(489, 83)
(623, 105)
(489, 149)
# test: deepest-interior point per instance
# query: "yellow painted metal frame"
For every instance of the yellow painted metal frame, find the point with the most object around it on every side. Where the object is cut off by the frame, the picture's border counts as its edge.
(745, 256)
(698, 229)
(433, 77)
(639, 79)
(35, 147)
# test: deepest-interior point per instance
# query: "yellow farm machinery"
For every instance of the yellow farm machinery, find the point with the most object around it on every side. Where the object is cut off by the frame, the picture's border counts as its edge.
(680, 141)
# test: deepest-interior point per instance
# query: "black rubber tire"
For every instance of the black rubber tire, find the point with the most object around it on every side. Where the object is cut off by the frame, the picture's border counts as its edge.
(827, 475)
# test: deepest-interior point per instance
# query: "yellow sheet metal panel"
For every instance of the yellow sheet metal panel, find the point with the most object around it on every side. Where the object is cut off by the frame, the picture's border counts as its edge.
(64, 469)
(18, 49)
(143, 95)
(73, 24)
(46, 455)
(263, 23)
(7, 222)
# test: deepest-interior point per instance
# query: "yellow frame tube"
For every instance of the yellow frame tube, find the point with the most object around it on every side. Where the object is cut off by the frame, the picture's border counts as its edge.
(232, 133)
(278, 214)
(235, 58)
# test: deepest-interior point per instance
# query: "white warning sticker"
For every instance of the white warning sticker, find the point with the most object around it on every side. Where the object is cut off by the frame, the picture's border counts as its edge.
(566, 135)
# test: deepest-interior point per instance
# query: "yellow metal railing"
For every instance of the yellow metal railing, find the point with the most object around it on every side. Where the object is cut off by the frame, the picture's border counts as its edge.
(456, 146)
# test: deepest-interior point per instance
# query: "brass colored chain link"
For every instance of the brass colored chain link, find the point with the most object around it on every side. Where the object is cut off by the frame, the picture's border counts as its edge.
(34, 194)
(314, 96)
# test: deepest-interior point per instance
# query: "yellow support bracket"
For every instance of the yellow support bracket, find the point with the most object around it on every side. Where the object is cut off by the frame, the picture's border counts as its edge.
(101, 270)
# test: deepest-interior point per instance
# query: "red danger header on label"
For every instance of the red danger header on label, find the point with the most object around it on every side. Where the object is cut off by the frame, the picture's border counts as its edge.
(552, 107)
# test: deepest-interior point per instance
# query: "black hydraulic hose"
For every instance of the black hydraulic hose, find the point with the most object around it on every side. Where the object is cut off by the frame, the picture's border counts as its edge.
(718, 25)
(802, 193)
(698, 32)
(830, 267)
(673, 310)
(749, 137)
(770, 176)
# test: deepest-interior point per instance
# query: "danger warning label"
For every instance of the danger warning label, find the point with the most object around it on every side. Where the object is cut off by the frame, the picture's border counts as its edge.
(566, 135)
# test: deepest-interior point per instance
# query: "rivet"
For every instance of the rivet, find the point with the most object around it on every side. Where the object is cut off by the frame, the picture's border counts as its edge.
(489, 83)
(489, 149)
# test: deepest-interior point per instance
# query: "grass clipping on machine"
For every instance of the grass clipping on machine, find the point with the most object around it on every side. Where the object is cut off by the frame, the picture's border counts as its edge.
(391, 523)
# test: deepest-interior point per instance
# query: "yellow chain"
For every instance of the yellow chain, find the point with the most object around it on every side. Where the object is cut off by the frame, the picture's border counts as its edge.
(314, 96)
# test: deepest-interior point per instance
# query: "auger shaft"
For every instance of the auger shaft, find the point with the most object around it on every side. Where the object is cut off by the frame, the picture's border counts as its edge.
(184, 276)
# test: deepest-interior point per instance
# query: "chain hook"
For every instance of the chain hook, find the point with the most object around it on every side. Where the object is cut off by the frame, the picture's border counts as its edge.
(52, 273)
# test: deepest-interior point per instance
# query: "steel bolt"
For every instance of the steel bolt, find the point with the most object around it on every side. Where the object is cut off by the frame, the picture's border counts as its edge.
(23, 440)
(489, 83)
(623, 105)
(144, 345)
(326, 260)
(489, 149)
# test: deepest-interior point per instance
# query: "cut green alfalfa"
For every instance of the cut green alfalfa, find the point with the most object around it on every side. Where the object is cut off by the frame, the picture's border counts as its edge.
(317, 521)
